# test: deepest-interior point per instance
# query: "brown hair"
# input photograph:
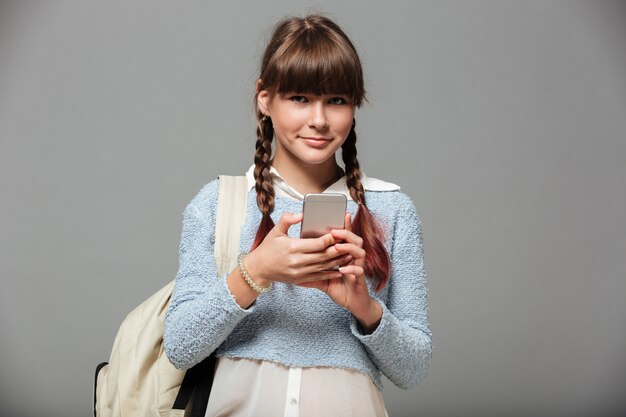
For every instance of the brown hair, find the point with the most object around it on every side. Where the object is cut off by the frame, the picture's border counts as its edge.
(313, 55)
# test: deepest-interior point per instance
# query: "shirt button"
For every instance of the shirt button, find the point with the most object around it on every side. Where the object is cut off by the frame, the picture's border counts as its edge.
(293, 402)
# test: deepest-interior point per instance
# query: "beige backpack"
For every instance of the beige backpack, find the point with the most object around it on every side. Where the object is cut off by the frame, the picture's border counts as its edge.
(139, 380)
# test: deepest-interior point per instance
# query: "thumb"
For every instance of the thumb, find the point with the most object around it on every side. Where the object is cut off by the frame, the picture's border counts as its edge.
(286, 221)
(347, 223)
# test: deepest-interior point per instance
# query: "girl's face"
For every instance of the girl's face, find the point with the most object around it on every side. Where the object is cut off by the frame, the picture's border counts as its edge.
(308, 128)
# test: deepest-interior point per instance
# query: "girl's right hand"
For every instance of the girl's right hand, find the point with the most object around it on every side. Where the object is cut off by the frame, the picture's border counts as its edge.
(285, 259)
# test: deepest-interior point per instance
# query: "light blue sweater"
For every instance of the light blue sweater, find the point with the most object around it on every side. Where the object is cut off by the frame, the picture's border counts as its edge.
(299, 326)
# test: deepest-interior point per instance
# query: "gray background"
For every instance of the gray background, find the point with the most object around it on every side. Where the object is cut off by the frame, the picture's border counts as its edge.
(503, 120)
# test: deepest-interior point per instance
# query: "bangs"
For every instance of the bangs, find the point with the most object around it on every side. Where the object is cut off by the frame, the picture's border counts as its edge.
(317, 64)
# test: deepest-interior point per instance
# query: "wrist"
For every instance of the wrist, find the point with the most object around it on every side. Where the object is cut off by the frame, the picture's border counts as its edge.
(255, 269)
(261, 289)
(370, 317)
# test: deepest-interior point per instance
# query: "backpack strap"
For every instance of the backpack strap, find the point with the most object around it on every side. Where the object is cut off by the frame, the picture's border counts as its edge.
(196, 386)
(231, 211)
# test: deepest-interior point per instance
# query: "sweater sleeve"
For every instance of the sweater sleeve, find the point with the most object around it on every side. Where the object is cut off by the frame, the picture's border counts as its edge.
(401, 345)
(202, 312)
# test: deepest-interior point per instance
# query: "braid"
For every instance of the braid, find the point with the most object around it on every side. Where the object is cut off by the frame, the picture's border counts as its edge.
(353, 170)
(264, 186)
(262, 162)
(377, 262)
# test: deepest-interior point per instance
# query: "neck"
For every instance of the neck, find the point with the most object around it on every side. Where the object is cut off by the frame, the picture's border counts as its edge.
(307, 178)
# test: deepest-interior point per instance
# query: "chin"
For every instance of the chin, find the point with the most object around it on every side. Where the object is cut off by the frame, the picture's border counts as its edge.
(317, 161)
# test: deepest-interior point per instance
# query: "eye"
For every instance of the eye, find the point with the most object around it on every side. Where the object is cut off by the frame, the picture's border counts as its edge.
(298, 99)
(338, 100)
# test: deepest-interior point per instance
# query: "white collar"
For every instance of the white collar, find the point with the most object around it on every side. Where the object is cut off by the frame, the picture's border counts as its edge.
(281, 187)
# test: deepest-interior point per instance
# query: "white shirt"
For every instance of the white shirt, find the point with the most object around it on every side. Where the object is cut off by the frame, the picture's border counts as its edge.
(246, 387)
(282, 189)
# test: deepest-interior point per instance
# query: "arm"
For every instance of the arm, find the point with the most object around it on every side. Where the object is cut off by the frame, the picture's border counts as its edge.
(206, 308)
(202, 312)
(401, 345)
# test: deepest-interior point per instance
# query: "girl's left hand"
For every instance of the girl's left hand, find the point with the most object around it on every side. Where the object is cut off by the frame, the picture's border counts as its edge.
(350, 291)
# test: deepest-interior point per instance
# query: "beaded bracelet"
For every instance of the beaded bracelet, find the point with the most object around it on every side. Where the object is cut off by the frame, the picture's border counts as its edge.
(246, 276)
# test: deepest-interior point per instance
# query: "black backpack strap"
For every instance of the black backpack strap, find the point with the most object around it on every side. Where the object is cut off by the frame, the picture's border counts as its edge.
(196, 386)
(95, 385)
(200, 398)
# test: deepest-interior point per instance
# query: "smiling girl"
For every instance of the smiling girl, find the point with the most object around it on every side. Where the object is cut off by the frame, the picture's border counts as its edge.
(303, 339)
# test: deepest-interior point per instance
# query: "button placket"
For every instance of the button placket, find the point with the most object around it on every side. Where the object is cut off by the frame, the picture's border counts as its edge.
(292, 400)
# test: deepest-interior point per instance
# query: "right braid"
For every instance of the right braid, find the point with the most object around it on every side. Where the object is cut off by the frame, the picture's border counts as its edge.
(264, 185)
(262, 161)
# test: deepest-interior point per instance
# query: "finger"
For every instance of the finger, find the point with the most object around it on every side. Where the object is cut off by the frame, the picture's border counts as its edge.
(357, 252)
(318, 244)
(304, 263)
(355, 270)
(315, 258)
(347, 223)
(328, 265)
(285, 222)
(319, 276)
(346, 236)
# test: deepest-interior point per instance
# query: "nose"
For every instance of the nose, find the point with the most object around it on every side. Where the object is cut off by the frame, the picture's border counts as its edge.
(317, 117)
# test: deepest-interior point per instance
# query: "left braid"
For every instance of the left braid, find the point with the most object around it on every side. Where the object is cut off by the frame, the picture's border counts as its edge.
(377, 262)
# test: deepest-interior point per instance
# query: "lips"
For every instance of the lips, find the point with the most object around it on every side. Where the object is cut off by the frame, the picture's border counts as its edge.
(316, 142)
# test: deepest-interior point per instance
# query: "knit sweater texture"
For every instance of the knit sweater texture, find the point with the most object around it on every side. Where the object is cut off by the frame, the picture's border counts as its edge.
(298, 326)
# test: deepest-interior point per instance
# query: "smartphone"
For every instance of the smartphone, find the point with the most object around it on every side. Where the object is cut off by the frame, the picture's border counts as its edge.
(321, 213)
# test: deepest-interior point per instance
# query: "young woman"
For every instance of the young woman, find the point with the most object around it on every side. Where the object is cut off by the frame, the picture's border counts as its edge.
(293, 336)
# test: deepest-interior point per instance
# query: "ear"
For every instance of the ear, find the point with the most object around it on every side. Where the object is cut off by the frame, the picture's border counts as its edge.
(263, 98)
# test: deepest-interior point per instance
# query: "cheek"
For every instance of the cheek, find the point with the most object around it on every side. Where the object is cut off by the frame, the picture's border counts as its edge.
(284, 131)
(280, 126)
(343, 122)
(288, 122)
